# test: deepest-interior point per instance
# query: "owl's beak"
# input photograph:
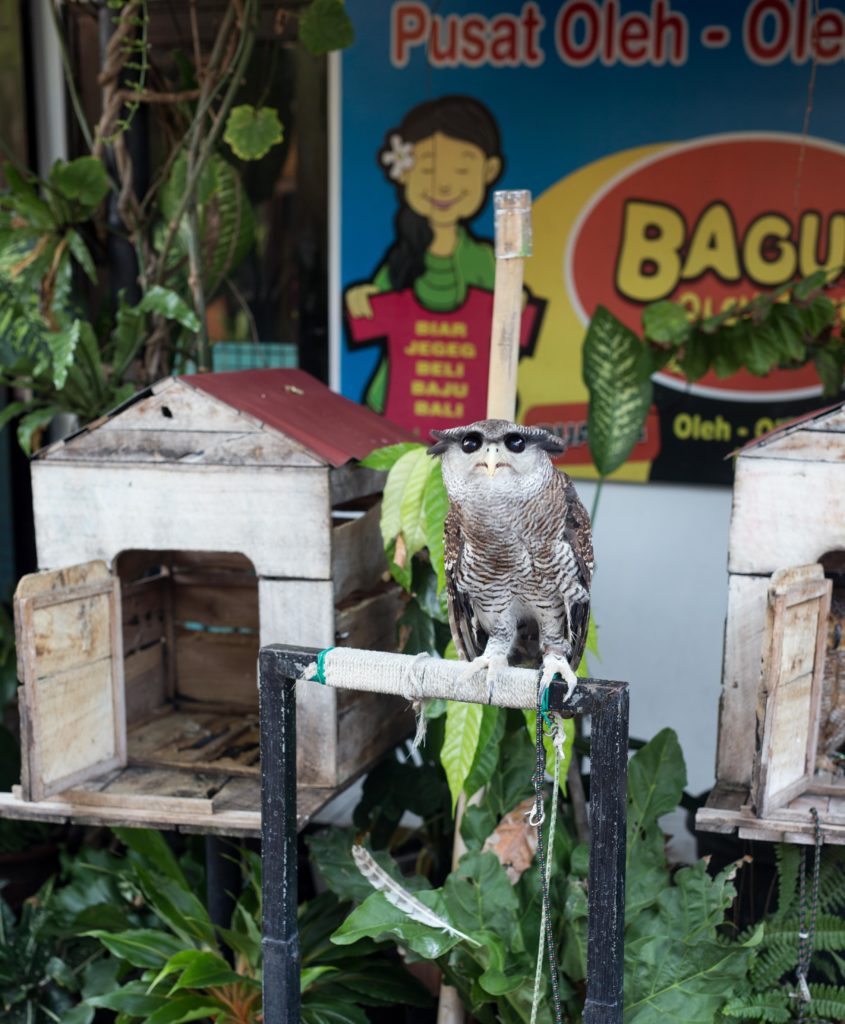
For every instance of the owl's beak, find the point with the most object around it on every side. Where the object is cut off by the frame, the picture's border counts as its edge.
(491, 462)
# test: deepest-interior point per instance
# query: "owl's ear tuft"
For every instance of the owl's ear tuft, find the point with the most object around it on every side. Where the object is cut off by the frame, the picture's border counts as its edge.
(444, 439)
(553, 444)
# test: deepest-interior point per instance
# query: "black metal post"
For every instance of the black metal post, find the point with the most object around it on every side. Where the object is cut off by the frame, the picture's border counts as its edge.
(608, 823)
(280, 939)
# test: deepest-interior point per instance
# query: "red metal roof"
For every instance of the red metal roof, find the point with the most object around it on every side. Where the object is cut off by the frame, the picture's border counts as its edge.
(295, 403)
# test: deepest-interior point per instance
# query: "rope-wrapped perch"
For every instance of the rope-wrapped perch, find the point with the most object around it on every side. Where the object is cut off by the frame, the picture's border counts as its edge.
(422, 678)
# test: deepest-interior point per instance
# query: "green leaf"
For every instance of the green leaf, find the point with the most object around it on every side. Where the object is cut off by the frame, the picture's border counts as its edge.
(809, 284)
(419, 634)
(206, 970)
(763, 352)
(668, 981)
(84, 180)
(331, 851)
(413, 521)
(829, 370)
(133, 1000)
(79, 1014)
(434, 509)
(308, 975)
(141, 947)
(81, 254)
(184, 1008)
(153, 850)
(323, 1010)
(252, 132)
(694, 357)
(666, 322)
(12, 410)
(176, 905)
(460, 742)
(394, 492)
(32, 423)
(62, 347)
(376, 918)
(385, 458)
(490, 735)
(480, 897)
(168, 304)
(616, 376)
(325, 26)
(656, 779)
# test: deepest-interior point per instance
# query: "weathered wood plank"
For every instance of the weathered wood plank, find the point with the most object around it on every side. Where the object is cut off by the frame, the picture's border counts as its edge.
(150, 790)
(358, 743)
(353, 481)
(746, 619)
(217, 666)
(178, 407)
(370, 623)
(142, 610)
(145, 683)
(832, 421)
(233, 606)
(70, 657)
(762, 539)
(278, 520)
(788, 702)
(358, 560)
(810, 444)
(198, 447)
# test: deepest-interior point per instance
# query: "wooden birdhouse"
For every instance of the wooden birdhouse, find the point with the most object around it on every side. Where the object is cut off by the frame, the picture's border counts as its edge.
(208, 516)
(781, 745)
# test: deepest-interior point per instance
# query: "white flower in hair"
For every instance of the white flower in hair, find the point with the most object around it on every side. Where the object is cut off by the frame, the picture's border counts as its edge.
(399, 158)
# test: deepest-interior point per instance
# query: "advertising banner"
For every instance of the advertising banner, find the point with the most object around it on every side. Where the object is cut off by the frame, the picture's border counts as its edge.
(674, 150)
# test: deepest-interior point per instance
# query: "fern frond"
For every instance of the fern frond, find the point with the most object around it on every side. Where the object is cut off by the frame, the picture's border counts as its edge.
(771, 1006)
(788, 859)
(828, 1001)
(773, 963)
(832, 879)
(829, 935)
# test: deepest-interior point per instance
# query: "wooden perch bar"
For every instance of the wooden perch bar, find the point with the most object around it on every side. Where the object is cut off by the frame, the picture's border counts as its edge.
(282, 668)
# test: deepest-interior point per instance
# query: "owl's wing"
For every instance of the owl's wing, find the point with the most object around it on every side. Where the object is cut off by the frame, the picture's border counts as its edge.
(577, 533)
(470, 639)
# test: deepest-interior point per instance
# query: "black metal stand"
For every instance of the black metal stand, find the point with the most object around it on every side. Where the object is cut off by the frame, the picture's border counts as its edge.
(605, 702)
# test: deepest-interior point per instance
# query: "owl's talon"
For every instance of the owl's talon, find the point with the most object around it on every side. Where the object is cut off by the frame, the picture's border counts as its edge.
(556, 666)
(484, 663)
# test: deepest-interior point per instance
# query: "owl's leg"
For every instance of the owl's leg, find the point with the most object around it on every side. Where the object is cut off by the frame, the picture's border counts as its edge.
(495, 656)
(557, 650)
(556, 663)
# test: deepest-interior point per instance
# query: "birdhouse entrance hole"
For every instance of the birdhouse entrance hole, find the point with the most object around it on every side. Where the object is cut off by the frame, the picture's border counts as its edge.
(190, 644)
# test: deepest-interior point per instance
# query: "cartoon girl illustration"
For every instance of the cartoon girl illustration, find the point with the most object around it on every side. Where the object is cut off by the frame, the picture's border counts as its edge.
(444, 157)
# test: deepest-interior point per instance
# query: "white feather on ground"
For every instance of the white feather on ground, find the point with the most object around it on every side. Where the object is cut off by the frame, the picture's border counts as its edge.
(400, 897)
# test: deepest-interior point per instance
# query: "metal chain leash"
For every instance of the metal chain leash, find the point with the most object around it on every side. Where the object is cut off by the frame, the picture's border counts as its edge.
(537, 819)
(807, 921)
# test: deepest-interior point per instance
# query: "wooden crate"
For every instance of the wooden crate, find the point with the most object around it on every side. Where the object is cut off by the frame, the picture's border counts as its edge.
(787, 529)
(188, 532)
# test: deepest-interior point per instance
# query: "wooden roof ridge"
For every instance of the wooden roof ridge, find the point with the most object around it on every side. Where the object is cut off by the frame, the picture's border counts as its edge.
(784, 429)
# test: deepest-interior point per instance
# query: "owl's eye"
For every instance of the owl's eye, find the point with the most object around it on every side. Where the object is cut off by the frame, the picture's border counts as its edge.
(515, 442)
(471, 443)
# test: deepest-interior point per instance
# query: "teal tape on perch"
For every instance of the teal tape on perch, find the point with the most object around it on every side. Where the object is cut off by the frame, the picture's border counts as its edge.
(320, 677)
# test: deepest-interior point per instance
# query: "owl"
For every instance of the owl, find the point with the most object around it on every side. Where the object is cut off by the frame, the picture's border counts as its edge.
(518, 549)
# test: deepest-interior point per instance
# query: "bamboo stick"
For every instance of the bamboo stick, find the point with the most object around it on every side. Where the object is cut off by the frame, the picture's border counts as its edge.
(513, 244)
